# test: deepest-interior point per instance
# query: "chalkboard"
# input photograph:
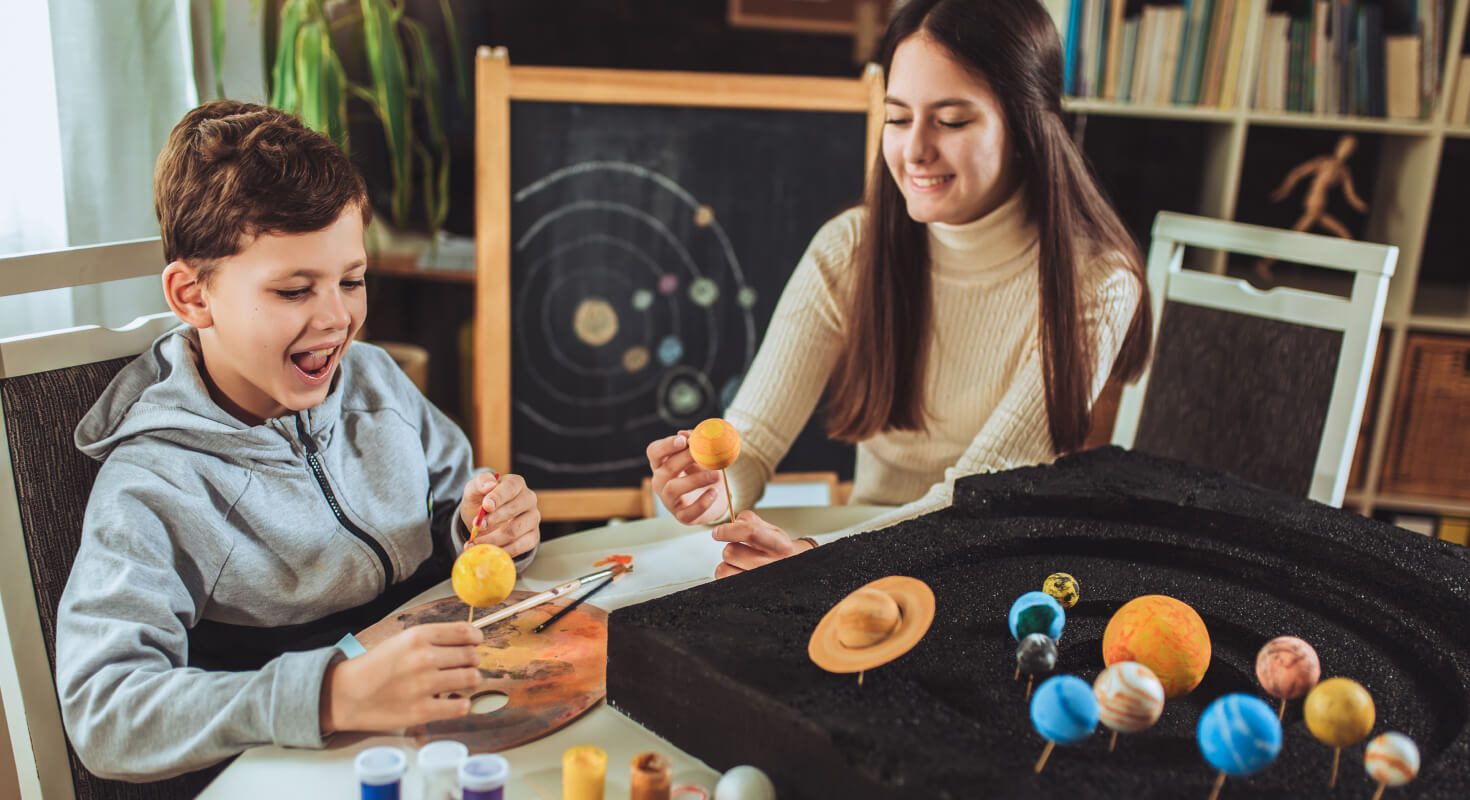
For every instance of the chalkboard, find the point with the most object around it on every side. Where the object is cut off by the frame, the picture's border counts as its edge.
(645, 236)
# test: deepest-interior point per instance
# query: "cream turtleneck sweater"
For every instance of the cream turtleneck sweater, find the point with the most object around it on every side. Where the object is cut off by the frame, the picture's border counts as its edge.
(983, 385)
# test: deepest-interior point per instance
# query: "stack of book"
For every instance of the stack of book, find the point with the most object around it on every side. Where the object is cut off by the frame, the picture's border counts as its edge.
(1341, 57)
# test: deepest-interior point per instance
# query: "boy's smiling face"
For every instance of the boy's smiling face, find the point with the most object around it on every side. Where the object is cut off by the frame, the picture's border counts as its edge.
(275, 318)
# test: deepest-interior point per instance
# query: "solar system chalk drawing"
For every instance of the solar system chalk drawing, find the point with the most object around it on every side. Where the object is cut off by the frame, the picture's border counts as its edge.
(627, 292)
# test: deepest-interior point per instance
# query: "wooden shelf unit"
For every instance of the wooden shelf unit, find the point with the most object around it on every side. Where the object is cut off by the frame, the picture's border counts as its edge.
(1407, 172)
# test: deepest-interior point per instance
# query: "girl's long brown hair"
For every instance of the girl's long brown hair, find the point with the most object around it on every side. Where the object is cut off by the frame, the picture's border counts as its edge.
(879, 383)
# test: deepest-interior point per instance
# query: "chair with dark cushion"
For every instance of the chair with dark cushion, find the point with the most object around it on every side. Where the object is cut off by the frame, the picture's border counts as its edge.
(47, 382)
(1268, 385)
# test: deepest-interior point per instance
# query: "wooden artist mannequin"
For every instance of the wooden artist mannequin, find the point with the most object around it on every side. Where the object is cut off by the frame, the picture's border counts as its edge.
(1328, 172)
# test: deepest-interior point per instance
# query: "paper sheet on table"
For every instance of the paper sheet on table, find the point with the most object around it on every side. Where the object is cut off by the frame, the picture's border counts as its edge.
(659, 568)
(667, 556)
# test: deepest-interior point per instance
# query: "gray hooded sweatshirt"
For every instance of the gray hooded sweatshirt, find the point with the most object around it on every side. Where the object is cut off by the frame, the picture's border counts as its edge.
(221, 561)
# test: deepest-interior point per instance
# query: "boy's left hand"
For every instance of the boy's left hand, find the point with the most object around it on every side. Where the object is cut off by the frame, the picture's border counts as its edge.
(512, 520)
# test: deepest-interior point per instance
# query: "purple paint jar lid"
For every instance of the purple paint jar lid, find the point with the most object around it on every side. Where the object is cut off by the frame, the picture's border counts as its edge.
(379, 766)
(484, 772)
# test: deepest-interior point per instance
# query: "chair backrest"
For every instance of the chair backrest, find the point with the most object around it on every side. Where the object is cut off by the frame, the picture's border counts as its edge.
(47, 382)
(1269, 385)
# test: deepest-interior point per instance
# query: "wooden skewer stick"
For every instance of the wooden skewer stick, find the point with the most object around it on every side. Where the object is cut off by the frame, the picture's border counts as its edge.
(1336, 756)
(1281, 714)
(1029, 679)
(1018, 674)
(472, 615)
(1381, 786)
(729, 498)
(1044, 755)
(1113, 742)
(1219, 782)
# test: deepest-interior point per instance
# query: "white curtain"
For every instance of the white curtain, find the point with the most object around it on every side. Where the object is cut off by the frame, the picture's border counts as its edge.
(93, 88)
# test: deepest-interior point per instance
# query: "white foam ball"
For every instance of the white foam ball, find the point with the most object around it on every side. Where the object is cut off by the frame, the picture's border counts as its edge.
(745, 783)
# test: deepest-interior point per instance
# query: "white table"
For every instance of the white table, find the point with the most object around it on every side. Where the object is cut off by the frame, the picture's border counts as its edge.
(667, 556)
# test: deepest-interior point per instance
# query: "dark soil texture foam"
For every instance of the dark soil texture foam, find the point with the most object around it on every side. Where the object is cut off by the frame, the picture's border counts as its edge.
(721, 670)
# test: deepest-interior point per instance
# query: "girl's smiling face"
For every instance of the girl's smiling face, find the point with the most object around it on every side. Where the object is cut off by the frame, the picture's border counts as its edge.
(280, 313)
(946, 142)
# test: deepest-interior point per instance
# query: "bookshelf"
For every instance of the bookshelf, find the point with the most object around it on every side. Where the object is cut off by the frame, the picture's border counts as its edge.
(1222, 160)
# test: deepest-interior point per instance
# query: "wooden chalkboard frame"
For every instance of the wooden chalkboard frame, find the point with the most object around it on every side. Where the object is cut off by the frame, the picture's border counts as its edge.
(496, 84)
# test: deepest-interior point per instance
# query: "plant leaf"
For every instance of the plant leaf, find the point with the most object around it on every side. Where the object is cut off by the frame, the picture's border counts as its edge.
(283, 76)
(429, 85)
(390, 87)
(321, 83)
(458, 56)
(217, 44)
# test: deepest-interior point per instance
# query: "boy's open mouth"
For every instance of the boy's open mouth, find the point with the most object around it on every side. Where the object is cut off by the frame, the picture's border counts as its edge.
(314, 363)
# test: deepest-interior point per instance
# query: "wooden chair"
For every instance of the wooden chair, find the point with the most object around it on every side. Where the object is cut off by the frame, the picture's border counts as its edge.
(47, 382)
(1267, 385)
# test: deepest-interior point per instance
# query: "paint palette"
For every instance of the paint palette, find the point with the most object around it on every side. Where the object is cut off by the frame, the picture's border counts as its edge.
(549, 678)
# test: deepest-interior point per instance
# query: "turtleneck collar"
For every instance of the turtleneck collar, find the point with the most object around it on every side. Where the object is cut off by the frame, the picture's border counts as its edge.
(992, 248)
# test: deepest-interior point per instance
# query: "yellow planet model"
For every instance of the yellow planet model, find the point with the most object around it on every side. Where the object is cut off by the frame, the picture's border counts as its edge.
(483, 575)
(1339, 712)
(1063, 587)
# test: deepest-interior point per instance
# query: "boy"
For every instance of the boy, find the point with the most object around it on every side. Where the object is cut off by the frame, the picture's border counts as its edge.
(265, 488)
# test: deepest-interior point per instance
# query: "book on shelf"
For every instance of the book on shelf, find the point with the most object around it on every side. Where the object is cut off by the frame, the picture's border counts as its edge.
(1401, 65)
(1336, 57)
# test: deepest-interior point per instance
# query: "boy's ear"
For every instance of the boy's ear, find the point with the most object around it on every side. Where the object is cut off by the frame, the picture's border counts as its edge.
(185, 294)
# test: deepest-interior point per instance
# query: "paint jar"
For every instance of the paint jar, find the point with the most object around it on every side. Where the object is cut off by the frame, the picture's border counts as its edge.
(379, 770)
(483, 777)
(583, 772)
(439, 768)
(651, 777)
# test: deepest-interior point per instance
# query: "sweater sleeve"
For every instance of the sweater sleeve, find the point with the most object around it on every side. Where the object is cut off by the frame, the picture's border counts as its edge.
(795, 360)
(132, 707)
(1018, 433)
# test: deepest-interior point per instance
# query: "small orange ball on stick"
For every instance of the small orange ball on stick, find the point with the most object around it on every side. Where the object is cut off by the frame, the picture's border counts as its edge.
(715, 444)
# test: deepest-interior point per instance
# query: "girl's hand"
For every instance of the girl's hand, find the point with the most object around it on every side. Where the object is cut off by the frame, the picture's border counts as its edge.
(753, 542)
(693, 494)
(512, 521)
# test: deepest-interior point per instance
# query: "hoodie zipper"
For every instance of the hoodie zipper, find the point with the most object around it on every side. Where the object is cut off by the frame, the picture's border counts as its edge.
(321, 479)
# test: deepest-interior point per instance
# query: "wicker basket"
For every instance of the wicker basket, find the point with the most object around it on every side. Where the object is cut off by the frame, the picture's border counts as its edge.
(1429, 442)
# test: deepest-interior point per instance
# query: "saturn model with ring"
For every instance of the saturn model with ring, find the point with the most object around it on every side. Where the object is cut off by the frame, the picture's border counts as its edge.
(873, 626)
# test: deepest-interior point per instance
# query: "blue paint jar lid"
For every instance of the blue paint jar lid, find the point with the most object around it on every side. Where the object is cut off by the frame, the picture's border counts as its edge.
(483, 773)
(379, 766)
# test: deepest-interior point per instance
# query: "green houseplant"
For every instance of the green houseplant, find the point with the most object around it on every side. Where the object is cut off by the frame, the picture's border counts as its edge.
(307, 42)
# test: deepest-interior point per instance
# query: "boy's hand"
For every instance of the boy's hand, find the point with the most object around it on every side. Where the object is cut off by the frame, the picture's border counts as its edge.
(512, 520)
(753, 542)
(399, 683)
(693, 494)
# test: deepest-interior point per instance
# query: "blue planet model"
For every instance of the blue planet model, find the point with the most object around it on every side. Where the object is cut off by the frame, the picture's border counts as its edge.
(1238, 734)
(1037, 612)
(1064, 709)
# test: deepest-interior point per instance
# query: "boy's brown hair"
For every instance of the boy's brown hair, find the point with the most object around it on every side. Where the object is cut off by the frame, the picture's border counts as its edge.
(232, 171)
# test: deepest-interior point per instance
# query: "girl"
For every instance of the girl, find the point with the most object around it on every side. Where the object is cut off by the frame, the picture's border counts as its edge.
(965, 317)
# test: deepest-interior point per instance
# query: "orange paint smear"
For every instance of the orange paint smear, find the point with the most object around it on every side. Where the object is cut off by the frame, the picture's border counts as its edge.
(625, 562)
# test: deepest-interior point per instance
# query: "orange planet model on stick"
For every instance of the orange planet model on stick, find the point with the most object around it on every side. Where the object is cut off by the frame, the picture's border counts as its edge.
(715, 444)
(1163, 634)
